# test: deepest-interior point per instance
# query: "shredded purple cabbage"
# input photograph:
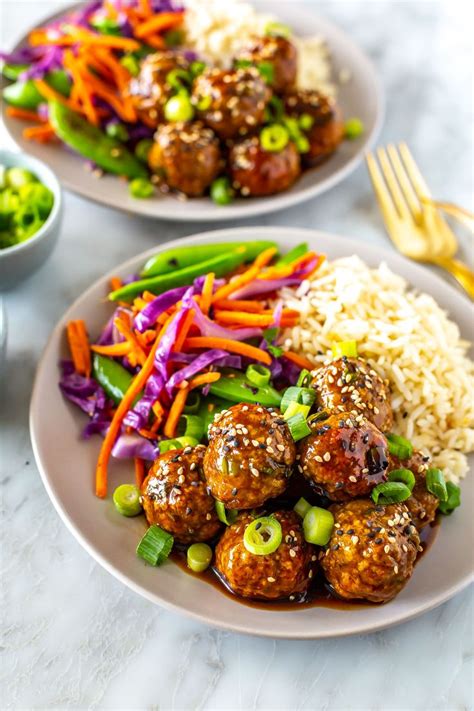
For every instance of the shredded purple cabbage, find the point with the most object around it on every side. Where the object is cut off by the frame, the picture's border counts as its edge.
(22, 55)
(199, 283)
(277, 313)
(210, 329)
(129, 446)
(84, 392)
(164, 349)
(147, 317)
(264, 286)
(97, 425)
(51, 60)
(137, 417)
(196, 366)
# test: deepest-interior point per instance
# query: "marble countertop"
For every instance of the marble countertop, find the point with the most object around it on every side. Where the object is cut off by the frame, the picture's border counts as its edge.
(73, 636)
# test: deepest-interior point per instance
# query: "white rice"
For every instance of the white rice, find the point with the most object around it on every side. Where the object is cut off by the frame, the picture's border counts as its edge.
(218, 29)
(407, 338)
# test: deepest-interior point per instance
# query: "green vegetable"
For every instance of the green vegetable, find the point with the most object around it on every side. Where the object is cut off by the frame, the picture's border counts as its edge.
(399, 446)
(26, 221)
(112, 377)
(227, 516)
(341, 349)
(317, 526)
(18, 177)
(179, 79)
(186, 441)
(179, 108)
(304, 379)
(141, 188)
(303, 396)
(390, 492)
(193, 402)
(222, 192)
(274, 138)
(191, 426)
(406, 476)
(274, 110)
(298, 426)
(92, 143)
(25, 95)
(302, 507)
(13, 71)
(197, 68)
(204, 103)
(295, 253)
(166, 444)
(302, 144)
(38, 195)
(127, 500)
(118, 131)
(453, 500)
(238, 388)
(306, 122)
(131, 64)
(142, 149)
(155, 546)
(220, 265)
(267, 71)
(181, 257)
(9, 204)
(173, 38)
(353, 128)
(436, 484)
(295, 408)
(199, 556)
(263, 535)
(258, 374)
(25, 204)
(277, 29)
(105, 25)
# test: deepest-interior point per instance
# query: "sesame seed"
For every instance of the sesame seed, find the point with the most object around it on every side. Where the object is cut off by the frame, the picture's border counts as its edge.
(255, 443)
(310, 574)
(395, 569)
(181, 470)
(292, 553)
(270, 579)
(270, 450)
(353, 479)
(208, 517)
(292, 597)
(318, 458)
(254, 471)
(326, 456)
(314, 558)
(181, 479)
(355, 539)
(281, 447)
(386, 549)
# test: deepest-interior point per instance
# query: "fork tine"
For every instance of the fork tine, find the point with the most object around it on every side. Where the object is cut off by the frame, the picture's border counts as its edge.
(383, 196)
(413, 171)
(392, 184)
(405, 184)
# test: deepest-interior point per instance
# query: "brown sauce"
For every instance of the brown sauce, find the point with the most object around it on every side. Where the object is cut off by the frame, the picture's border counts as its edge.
(319, 595)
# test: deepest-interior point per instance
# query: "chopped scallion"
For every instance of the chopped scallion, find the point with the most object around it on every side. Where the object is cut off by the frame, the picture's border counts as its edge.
(191, 426)
(263, 535)
(298, 427)
(304, 396)
(199, 556)
(406, 476)
(399, 446)
(304, 379)
(155, 546)
(344, 348)
(318, 524)
(436, 484)
(126, 500)
(391, 492)
(302, 507)
(259, 375)
(227, 516)
(453, 500)
(295, 408)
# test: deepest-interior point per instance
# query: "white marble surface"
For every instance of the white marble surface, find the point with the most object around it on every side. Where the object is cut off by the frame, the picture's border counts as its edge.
(73, 636)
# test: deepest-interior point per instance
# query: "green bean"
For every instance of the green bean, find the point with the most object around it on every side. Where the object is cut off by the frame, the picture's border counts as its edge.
(25, 95)
(113, 377)
(238, 388)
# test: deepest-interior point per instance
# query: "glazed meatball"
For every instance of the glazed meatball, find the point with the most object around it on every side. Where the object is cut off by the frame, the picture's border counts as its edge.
(232, 102)
(372, 550)
(186, 157)
(344, 457)
(149, 90)
(278, 52)
(285, 573)
(257, 172)
(350, 384)
(422, 504)
(327, 131)
(175, 496)
(249, 457)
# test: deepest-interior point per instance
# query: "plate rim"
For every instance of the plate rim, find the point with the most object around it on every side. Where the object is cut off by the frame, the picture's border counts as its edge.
(245, 209)
(48, 352)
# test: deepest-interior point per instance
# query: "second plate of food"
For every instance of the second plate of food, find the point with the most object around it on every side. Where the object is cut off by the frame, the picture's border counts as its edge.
(327, 60)
(385, 342)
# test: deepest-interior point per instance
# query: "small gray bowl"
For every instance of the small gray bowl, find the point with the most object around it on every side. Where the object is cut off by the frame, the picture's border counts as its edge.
(18, 262)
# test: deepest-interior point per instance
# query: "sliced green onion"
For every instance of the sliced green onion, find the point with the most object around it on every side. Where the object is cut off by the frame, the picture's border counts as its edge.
(399, 446)
(353, 128)
(191, 426)
(453, 500)
(167, 444)
(406, 476)
(304, 379)
(193, 402)
(274, 110)
(141, 188)
(436, 484)
(295, 408)
(227, 516)
(131, 64)
(173, 38)
(304, 396)
(178, 79)
(344, 348)
(302, 507)
(259, 375)
(187, 441)
(155, 546)
(390, 492)
(221, 191)
(302, 144)
(267, 71)
(179, 108)
(298, 427)
(317, 525)
(118, 131)
(277, 29)
(299, 251)
(38, 195)
(204, 103)
(197, 68)
(142, 149)
(242, 63)
(127, 500)
(17, 177)
(274, 138)
(306, 122)
(263, 535)
(293, 127)
(199, 556)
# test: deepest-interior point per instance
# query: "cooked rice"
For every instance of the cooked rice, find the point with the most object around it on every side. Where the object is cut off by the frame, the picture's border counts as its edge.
(407, 338)
(218, 29)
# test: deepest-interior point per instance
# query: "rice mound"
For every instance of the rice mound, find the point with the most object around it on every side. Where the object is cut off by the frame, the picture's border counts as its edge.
(407, 338)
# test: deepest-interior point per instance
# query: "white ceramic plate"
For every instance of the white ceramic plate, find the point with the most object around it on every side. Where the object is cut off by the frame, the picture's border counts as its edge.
(67, 465)
(361, 96)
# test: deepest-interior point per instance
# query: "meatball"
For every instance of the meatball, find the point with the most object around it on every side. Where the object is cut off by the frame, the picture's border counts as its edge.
(186, 157)
(175, 496)
(422, 504)
(149, 90)
(278, 52)
(257, 172)
(284, 573)
(232, 102)
(327, 131)
(249, 457)
(350, 384)
(344, 457)
(372, 550)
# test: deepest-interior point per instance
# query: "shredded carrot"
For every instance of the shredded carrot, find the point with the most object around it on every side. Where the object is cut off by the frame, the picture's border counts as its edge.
(227, 345)
(236, 283)
(175, 412)
(122, 323)
(207, 289)
(40, 37)
(183, 331)
(139, 472)
(240, 305)
(241, 318)
(204, 379)
(50, 94)
(145, 8)
(114, 350)
(120, 74)
(79, 346)
(299, 360)
(265, 257)
(159, 413)
(43, 133)
(106, 449)
(24, 115)
(287, 269)
(159, 23)
(155, 41)
(94, 85)
(73, 65)
(115, 283)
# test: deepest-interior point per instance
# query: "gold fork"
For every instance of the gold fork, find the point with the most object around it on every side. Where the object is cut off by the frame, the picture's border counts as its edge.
(413, 222)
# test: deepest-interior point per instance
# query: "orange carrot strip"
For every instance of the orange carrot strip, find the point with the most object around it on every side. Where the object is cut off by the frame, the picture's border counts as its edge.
(114, 350)
(236, 283)
(287, 269)
(50, 94)
(43, 133)
(145, 8)
(207, 288)
(265, 257)
(106, 449)
(79, 346)
(123, 326)
(183, 331)
(120, 74)
(240, 305)
(175, 413)
(159, 23)
(24, 115)
(299, 360)
(74, 67)
(96, 86)
(139, 472)
(40, 37)
(159, 412)
(204, 379)
(155, 41)
(249, 319)
(115, 283)
(227, 345)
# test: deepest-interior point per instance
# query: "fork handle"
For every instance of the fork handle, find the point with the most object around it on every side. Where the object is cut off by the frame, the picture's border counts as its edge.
(463, 275)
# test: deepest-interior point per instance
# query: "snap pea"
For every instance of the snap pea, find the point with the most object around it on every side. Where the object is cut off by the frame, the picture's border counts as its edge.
(238, 388)
(13, 71)
(181, 257)
(113, 377)
(220, 265)
(293, 254)
(92, 143)
(25, 95)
